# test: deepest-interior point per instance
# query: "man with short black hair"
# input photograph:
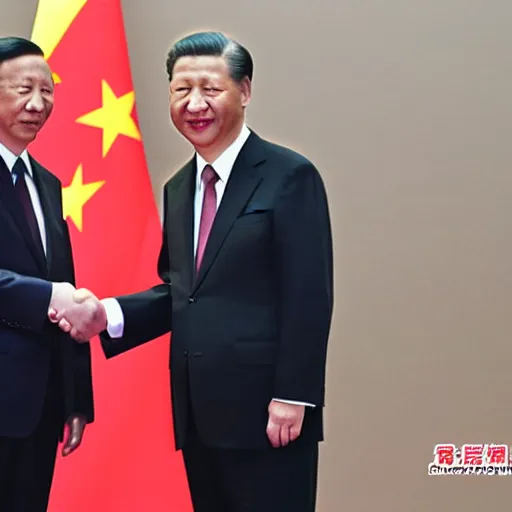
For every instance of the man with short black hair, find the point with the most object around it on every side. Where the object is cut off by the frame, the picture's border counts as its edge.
(45, 376)
(246, 265)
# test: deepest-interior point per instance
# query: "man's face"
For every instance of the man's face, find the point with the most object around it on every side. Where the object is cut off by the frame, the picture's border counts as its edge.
(26, 100)
(207, 105)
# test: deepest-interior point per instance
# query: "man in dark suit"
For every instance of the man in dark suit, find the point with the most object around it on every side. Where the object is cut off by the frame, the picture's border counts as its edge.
(246, 265)
(45, 376)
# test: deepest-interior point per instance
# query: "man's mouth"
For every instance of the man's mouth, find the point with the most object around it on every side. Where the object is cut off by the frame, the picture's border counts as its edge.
(200, 124)
(33, 123)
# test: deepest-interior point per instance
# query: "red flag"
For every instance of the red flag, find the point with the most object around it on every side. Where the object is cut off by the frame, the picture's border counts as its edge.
(93, 144)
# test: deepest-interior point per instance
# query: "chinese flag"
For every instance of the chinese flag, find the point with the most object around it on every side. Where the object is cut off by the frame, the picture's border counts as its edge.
(93, 144)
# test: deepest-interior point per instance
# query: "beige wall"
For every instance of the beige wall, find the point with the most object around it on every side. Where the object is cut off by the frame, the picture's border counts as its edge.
(404, 106)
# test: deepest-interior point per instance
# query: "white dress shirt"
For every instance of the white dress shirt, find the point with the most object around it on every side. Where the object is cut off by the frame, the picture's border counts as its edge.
(222, 166)
(10, 159)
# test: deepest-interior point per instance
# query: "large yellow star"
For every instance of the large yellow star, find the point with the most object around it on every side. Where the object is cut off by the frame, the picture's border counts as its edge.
(53, 19)
(114, 117)
(76, 195)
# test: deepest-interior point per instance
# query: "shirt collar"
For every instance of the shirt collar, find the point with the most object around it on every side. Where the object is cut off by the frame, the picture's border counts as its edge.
(10, 158)
(226, 160)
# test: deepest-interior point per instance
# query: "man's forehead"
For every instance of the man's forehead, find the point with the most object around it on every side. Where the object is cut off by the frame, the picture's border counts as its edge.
(200, 65)
(26, 64)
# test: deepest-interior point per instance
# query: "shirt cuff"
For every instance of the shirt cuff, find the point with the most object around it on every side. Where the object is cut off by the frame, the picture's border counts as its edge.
(115, 318)
(294, 402)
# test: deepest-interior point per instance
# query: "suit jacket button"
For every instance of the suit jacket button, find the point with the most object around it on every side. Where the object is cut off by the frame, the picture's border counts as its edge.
(191, 300)
(185, 353)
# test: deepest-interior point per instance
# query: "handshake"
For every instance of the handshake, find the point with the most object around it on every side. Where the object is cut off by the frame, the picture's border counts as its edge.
(77, 312)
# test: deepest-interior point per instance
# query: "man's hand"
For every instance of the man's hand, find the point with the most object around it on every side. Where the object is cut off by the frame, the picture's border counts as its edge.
(84, 318)
(75, 427)
(284, 422)
(62, 296)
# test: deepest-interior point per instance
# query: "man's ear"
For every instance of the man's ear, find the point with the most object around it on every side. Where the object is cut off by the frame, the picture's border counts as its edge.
(245, 89)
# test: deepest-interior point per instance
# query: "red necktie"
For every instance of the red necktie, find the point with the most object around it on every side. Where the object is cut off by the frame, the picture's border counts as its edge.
(209, 178)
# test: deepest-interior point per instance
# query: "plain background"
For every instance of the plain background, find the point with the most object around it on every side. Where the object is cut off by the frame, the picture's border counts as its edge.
(404, 106)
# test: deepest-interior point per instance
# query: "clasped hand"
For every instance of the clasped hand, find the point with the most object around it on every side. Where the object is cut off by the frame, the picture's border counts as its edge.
(78, 312)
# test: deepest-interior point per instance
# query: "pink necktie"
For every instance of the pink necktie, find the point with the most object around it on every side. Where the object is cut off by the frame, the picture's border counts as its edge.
(209, 177)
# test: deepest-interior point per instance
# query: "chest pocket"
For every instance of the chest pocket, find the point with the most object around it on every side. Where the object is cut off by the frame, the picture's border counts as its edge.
(254, 213)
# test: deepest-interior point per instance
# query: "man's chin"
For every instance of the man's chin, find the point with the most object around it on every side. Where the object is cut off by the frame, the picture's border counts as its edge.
(199, 141)
(27, 136)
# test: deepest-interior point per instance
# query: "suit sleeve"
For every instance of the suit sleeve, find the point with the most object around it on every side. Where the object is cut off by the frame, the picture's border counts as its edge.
(24, 301)
(84, 403)
(83, 388)
(147, 315)
(305, 268)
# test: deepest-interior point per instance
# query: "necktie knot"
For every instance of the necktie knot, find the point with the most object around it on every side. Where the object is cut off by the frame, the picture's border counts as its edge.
(208, 175)
(19, 168)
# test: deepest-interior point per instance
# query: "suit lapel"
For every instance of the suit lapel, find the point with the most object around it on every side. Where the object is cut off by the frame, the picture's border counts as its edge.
(242, 182)
(181, 220)
(15, 213)
(44, 191)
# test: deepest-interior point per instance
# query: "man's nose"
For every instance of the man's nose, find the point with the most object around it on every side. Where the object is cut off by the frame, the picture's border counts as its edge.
(36, 102)
(196, 102)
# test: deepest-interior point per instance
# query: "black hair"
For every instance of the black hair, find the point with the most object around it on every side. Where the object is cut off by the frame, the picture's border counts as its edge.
(216, 44)
(14, 47)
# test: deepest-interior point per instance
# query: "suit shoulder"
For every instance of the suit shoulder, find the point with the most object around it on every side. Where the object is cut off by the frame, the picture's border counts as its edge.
(177, 178)
(286, 155)
(44, 173)
(286, 163)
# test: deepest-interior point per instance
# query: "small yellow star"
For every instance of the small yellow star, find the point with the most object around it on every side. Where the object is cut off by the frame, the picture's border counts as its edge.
(114, 117)
(76, 195)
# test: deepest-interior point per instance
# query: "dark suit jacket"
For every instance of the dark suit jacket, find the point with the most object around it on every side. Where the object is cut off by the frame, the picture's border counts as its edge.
(254, 323)
(26, 335)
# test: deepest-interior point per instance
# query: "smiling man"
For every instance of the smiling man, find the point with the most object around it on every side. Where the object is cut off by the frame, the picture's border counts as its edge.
(45, 377)
(246, 265)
